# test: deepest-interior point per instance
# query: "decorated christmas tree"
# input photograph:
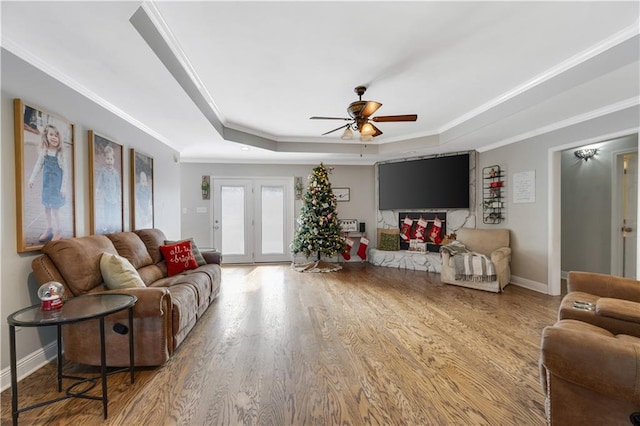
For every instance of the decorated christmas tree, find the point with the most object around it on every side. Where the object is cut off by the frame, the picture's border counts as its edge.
(319, 232)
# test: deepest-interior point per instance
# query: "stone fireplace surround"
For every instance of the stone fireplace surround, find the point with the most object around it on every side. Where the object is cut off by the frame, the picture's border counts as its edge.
(420, 261)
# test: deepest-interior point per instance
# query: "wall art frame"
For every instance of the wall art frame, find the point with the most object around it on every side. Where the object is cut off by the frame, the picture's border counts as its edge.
(106, 184)
(45, 178)
(142, 181)
(342, 194)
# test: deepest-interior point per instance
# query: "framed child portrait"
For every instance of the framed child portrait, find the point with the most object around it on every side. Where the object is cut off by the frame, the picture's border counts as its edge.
(45, 196)
(141, 190)
(105, 183)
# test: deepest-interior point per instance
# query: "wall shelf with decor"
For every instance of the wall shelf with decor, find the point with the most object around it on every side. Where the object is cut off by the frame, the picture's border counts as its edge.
(493, 195)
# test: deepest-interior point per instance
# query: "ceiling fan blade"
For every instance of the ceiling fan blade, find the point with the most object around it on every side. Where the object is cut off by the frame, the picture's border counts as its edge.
(369, 108)
(330, 118)
(387, 118)
(336, 129)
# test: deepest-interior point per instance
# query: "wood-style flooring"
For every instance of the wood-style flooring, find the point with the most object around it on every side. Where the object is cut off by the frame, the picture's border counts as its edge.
(365, 345)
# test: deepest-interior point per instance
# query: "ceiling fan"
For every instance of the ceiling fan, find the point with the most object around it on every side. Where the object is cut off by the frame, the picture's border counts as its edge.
(360, 112)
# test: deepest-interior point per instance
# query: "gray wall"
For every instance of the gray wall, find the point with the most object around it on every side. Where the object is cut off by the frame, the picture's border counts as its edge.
(360, 180)
(586, 207)
(530, 223)
(18, 286)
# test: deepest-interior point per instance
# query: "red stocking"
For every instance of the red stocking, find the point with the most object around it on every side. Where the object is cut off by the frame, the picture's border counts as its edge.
(420, 230)
(435, 234)
(405, 231)
(362, 248)
(347, 251)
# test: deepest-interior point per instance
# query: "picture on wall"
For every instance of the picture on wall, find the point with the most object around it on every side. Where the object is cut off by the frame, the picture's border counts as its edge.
(105, 183)
(45, 197)
(141, 190)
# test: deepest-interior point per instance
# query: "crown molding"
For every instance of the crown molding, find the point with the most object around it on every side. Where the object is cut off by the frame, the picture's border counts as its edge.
(595, 50)
(67, 80)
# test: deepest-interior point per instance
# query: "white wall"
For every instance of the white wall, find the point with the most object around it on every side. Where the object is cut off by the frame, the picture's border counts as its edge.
(360, 180)
(535, 227)
(18, 286)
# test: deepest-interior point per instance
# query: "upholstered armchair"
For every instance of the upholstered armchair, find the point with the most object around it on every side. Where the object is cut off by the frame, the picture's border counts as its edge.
(607, 301)
(589, 375)
(493, 243)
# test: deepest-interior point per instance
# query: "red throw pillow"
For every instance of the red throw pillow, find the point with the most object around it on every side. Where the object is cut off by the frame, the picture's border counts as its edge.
(179, 257)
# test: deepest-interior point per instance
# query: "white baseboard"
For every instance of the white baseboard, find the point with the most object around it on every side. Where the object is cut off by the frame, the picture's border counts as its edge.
(530, 284)
(29, 364)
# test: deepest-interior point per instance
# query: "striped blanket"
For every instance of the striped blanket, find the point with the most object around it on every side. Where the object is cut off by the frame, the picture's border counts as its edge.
(470, 266)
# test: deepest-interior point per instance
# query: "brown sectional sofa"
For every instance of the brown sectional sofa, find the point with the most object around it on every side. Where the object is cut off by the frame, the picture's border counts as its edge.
(166, 310)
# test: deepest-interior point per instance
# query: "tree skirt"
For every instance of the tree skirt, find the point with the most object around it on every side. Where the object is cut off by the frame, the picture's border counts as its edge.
(319, 266)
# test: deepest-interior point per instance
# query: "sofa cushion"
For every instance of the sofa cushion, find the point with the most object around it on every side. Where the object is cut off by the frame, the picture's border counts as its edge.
(194, 248)
(118, 272)
(153, 239)
(78, 260)
(178, 257)
(130, 246)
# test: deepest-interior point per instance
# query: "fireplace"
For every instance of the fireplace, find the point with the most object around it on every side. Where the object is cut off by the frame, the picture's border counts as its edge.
(430, 217)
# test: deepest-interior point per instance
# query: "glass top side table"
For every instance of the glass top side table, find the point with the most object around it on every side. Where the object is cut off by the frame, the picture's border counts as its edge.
(76, 309)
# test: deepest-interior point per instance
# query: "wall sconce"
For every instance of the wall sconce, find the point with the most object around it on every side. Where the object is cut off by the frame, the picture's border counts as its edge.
(206, 187)
(298, 187)
(586, 154)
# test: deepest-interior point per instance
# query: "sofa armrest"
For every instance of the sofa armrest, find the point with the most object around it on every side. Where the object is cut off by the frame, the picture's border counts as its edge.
(500, 255)
(212, 256)
(601, 363)
(152, 302)
(604, 285)
(619, 309)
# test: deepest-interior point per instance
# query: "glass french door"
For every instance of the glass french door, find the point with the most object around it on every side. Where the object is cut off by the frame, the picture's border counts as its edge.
(253, 219)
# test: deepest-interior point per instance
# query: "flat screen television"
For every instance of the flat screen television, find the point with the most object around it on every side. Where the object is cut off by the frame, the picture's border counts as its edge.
(429, 183)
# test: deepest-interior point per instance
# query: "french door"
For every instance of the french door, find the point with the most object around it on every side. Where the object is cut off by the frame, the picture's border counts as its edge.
(253, 219)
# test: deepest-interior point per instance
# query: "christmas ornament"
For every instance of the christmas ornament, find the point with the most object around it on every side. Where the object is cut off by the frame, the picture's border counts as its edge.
(51, 295)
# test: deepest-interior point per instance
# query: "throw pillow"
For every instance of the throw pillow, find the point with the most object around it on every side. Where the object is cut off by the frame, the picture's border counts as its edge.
(179, 257)
(118, 272)
(389, 231)
(194, 248)
(389, 242)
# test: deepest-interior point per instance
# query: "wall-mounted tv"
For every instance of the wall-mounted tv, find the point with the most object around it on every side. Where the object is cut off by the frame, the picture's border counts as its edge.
(429, 183)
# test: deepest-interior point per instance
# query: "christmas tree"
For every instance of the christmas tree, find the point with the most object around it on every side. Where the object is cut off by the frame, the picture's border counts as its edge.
(319, 231)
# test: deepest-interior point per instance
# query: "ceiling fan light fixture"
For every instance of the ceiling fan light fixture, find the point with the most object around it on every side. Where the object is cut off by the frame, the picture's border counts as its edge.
(347, 135)
(366, 138)
(367, 129)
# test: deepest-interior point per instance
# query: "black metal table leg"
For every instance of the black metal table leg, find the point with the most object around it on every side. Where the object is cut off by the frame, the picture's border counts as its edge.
(59, 330)
(14, 374)
(103, 368)
(131, 349)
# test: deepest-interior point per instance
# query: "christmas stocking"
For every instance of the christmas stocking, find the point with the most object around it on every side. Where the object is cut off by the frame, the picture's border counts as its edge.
(405, 230)
(362, 248)
(420, 230)
(347, 252)
(436, 231)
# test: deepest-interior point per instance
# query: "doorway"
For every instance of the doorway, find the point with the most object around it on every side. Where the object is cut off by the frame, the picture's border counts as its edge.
(253, 219)
(625, 214)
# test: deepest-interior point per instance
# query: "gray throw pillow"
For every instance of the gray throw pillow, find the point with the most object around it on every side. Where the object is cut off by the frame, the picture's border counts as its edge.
(194, 248)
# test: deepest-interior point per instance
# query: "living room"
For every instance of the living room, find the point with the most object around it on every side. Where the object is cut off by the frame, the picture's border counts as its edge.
(536, 237)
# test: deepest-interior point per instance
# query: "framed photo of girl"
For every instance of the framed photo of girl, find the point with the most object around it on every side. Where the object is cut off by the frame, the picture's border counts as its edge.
(141, 190)
(45, 181)
(105, 183)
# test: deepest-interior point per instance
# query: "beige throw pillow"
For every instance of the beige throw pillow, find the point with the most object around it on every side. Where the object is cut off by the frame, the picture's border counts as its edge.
(118, 272)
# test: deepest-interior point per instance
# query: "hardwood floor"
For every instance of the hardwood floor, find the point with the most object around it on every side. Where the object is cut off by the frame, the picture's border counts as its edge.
(365, 345)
